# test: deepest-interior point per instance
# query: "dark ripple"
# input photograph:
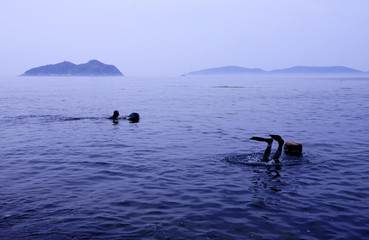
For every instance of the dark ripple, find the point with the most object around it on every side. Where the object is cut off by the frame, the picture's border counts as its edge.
(254, 159)
(50, 119)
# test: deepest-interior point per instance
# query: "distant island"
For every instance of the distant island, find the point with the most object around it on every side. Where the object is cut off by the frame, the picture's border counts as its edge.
(236, 70)
(91, 68)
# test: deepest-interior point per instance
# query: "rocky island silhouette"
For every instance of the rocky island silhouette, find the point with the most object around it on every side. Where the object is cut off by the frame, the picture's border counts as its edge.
(91, 68)
(297, 70)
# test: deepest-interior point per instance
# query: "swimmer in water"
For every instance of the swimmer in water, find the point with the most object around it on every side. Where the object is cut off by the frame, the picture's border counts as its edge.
(133, 117)
(291, 148)
(115, 115)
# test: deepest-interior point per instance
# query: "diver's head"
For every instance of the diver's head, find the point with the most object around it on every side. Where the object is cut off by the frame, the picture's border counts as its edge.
(115, 114)
(293, 148)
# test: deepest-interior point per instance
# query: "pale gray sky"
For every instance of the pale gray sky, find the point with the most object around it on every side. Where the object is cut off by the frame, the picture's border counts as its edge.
(171, 37)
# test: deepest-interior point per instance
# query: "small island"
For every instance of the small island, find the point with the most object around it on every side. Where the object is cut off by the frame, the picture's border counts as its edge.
(317, 70)
(91, 68)
(227, 70)
(298, 70)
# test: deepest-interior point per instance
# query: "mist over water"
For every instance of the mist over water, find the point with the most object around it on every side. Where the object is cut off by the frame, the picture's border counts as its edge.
(67, 172)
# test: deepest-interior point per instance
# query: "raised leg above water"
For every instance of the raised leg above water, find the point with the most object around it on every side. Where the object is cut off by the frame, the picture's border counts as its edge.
(268, 149)
(278, 153)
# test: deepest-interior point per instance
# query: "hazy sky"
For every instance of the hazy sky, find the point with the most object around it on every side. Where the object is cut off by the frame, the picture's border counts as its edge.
(171, 37)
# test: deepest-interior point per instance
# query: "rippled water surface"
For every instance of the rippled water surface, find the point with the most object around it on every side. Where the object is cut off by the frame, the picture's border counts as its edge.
(187, 170)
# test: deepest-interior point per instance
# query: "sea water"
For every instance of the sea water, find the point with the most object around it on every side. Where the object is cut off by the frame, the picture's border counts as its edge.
(188, 169)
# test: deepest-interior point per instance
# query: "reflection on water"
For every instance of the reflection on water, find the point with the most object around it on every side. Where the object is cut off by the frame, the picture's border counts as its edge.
(187, 170)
